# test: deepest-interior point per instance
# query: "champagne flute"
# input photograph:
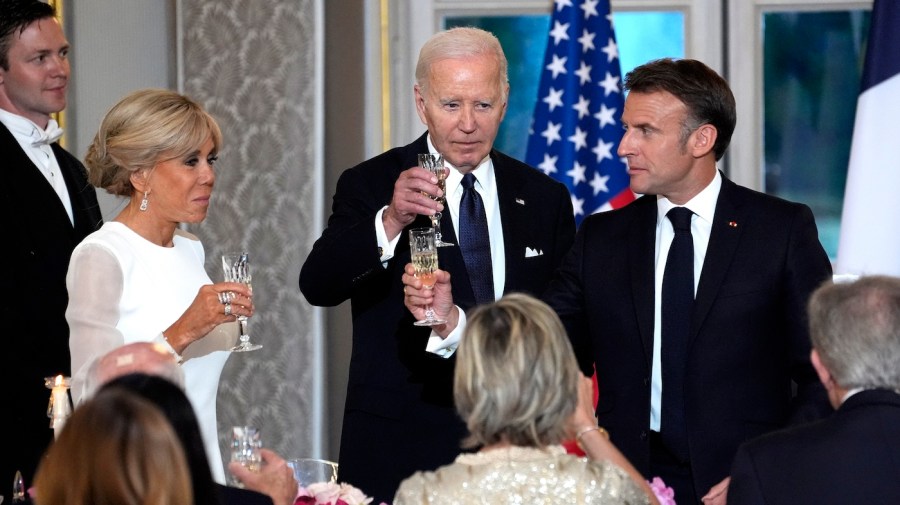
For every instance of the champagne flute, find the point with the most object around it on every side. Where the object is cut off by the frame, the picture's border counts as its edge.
(434, 163)
(236, 266)
(245, 446)
(18, 494)
(423, 250)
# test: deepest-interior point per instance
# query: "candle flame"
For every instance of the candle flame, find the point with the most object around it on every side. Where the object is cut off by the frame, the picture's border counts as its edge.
(59, 380)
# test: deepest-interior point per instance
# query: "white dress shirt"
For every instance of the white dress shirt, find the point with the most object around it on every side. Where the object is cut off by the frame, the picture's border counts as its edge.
(29, 137)
(704, 207)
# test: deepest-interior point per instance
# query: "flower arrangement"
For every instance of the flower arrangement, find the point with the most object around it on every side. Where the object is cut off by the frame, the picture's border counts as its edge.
(331, 493)
(664, 494)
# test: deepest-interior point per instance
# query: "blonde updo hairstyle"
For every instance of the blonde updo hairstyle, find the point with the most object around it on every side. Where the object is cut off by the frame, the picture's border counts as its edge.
(146, 127)
(516, 377)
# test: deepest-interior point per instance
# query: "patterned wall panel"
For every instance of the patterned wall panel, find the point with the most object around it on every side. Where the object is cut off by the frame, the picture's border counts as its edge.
(253, 65)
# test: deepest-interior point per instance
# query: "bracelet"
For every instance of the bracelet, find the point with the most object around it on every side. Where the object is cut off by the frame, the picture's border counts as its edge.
(590, 429)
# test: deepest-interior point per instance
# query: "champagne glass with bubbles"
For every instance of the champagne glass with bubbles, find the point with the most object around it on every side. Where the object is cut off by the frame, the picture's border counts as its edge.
(423, 250)
(236, 266)
(434, 163)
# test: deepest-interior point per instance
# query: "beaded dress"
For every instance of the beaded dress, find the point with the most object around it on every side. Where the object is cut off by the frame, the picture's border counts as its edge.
(521, 475)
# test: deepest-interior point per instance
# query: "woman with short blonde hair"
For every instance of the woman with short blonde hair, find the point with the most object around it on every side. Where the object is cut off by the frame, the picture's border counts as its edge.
(518, 387)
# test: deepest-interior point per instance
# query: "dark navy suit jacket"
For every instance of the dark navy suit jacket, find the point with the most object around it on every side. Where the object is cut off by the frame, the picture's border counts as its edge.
(851, 457)
(748, 338)
(399, 414)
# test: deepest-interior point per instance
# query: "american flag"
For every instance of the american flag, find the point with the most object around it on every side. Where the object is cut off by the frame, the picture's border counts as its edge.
(576, 127)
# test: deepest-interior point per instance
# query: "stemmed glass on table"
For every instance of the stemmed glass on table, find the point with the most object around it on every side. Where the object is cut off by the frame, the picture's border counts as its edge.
(236, 266)
(423, 250)
(434, 163)
(245, 446)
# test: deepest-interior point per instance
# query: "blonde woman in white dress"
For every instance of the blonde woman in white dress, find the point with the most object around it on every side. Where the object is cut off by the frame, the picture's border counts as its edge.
(140, 277)
(520, 391)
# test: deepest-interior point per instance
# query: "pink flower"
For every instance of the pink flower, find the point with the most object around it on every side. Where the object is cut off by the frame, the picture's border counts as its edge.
(329, 493)
(664, 494)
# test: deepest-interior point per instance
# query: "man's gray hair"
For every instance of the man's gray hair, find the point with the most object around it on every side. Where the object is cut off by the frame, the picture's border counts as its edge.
(460, 43)
(855, 328)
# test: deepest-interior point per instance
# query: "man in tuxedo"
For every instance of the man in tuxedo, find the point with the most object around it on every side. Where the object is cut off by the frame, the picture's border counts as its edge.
(686, 375)
(511, 225)
(49, 208)
(852, 456)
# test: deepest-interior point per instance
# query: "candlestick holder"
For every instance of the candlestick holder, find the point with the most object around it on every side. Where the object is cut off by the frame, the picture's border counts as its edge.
(60, 407)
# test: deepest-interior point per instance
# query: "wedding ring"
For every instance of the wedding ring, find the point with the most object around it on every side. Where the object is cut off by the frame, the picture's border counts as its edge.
(227, 309)
(222, 299)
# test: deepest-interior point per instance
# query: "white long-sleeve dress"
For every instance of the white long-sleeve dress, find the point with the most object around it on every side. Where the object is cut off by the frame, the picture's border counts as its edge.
(124, 289)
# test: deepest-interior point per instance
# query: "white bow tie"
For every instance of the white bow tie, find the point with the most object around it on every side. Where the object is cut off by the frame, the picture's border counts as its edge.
(48, 136)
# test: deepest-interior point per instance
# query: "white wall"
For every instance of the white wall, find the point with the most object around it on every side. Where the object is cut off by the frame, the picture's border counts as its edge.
(117, 47)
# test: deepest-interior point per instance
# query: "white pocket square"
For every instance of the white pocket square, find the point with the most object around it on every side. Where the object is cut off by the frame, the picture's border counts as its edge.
(531, 253)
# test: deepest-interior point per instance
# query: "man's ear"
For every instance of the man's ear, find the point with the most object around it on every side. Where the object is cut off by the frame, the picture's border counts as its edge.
(420, 104)
(703, 140)
(823, 373)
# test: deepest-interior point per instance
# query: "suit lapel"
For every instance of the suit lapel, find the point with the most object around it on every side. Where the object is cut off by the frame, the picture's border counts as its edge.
(723, 242)
(42, 205)
(641, 251)
(85, 209)
(513, 216)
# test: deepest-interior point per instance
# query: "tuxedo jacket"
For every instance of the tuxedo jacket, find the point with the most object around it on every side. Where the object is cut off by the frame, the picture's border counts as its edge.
(398, 394)
(38, 240)
(748, 337)
(851, 457)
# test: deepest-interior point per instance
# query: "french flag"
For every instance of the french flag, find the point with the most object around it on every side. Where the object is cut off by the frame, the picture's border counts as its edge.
(870, 235)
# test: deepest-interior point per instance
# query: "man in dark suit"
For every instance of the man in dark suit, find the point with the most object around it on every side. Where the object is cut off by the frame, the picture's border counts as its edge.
(852, 456)
(686, 375)
(685, 379)
(399, 414)
(49, 208)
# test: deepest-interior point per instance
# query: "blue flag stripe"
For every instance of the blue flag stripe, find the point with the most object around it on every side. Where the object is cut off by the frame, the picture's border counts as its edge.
(882, 63)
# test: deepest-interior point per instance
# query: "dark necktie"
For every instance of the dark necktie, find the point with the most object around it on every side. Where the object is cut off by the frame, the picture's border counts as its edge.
(677, 305)
(475, 242)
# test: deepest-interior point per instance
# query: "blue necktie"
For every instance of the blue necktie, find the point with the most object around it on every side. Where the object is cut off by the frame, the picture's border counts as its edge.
(475, 242)
(677, 305)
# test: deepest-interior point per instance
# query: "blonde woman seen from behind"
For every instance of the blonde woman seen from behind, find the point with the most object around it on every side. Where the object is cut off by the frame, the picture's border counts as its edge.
(115, 449)
(520, 391)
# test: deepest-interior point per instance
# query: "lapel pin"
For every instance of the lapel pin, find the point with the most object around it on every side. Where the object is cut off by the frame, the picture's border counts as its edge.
(520, 201)
(732, 224)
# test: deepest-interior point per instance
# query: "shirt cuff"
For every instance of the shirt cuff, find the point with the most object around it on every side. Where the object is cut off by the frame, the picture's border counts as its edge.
(164, 342)
(445, 347)
(384, 245)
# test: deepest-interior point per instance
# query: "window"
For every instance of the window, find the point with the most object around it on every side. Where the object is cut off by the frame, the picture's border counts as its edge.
(641, 36)
(795, 68)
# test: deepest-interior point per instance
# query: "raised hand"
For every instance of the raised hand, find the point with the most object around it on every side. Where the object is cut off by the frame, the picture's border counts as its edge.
(410, 199)
(207, 311)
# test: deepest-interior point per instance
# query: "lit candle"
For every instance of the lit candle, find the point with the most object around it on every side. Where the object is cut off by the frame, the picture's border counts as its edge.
(60, 408)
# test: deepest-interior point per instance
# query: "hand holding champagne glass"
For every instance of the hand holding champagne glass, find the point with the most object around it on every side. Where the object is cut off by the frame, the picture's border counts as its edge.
(434, 163)
(423, 250)
(245, 449)
(236, 266)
